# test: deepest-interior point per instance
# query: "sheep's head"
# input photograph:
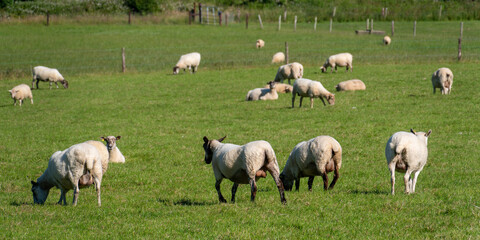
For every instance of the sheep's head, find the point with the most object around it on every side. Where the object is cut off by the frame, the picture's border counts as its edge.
(39, 195)
(287, 182)
(323, 69)
(288, 89)
(331, 99)
(13, 93)
(271, 84)
(207, 148)
(64, 83)
(421, 135)
(176, 70)
(111, 141)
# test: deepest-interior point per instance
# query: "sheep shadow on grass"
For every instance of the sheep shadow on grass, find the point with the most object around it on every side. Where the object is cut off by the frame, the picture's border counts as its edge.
(368, 192)
(185, 202)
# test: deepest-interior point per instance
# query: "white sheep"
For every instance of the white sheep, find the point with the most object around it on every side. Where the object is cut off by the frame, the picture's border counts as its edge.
(315, 157)
(269, 93)
(443, 79)
(260, 43)
(313, 89)
(281, 87)
(65, 168)
(51, 75)
(407, 152)
(338, 60)
(350, 85)
(278, 57)
(387, 40)
(289, 71)
(190, 61)
(242, 165)
(20, 93)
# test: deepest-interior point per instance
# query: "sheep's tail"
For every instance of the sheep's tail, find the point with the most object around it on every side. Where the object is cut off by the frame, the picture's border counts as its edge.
(270, 158)
(337, 156)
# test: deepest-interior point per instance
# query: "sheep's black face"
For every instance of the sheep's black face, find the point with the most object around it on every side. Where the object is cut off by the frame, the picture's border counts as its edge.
(208, 152)
(39, 195)
(65, 84)
(176, 70)
(287, 184)
(111, 141)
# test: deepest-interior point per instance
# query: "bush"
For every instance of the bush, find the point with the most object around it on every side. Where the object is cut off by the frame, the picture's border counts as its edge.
(142, 6)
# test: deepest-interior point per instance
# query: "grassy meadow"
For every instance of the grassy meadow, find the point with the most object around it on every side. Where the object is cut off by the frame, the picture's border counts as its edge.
(165, 189)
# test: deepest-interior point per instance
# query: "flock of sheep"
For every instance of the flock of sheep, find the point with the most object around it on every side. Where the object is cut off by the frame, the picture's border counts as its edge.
(84, 164)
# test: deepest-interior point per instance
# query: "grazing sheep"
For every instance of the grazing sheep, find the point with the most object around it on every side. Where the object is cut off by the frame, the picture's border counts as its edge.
(65, 168)
(313, 89)
(263, 93)
(407, 152)
(51, 75)
(260, 43)
(278, 57)
(387, 40)
(281, 87)
(289, 71)
(443, 79)
(21, 92)
(315, 157)
(190, 61)
(242, 165)
(341, 59)
(351, 85)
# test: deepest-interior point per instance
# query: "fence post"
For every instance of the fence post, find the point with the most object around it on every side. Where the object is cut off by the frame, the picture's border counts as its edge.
(220, 18)
(129, 17)
(315, 25)
(200, 13)
(246, 21)
(285, 15)
(371, 25)
(226, 19)
(368, 23)
(440, 12)
(386, 13)
(194, 9)
(295, 24)
(213, 14)
(331, 20)
(459, 49)
(123, 60)
(393, 27)
(334, 11)
(414, 28)
(461, 30)
(279, 22)
(260, 20)
(208, 13)
(286, 52)
(48, 18)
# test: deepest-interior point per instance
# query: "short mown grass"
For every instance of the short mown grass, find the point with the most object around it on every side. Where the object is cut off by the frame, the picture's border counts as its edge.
(165, 190)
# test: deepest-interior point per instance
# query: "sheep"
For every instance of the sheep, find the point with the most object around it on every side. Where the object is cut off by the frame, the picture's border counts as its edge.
(65, 168)
(315, 157)
(350, 85)
(260, 43)
(443, 79)
(281, 87)
(313, 89)
(52, 75)
(341, 59)
(407, 152)
(242, 165)
(21, 92)
(263, 93)
(387, 40)
(190, 61)
(278, 57)
(289, 71)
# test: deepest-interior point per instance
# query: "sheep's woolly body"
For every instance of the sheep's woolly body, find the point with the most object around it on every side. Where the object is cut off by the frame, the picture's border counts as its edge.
(281, 87)
(278, 57)
(45, 74)
(443, 79)
(20, 93)
(269, 93)
(310, 158)
(313, 89)
(289, 71)
(407, 152)
(387, 40)
(113, 155)
(260, 43)
(338, 60)
(351, 85)
(189, 61)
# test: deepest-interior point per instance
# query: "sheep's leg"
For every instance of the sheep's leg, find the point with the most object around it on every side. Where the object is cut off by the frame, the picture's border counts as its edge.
(234, 190)
(62, 197)
(325, 181)
(310, 182)
(293, 100)
(406, 179)
(301, 99)
(98, 182)
(220, 196)
(311, 102)
(297, 184)
(56, 84)
(415, 180)
(289, 81)
(276, 177)
(253, 187)
(76, 192)
(336, 175)
(321, 98)
(37, 83)
(50, 85)
(391, 167)
(20, 101)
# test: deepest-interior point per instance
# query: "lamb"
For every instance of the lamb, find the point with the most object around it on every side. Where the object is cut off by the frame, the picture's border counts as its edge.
(387, 40)
(263, 93)
(315, 157)
(20, 93)
(278, 57)
(260, 43)
(443, 79)
(313, 89)
(407, 152)
(289, 71)
(281, 87)
(341, 59)
(242, 165)
(190, 61)
(65, 168)
(51, 75)
(351, 85)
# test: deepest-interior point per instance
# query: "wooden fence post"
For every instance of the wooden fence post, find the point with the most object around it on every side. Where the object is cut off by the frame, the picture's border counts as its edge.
(371, 25)
(246, 21)
(331, 21)
(459, 49)
(200, 13)
(123, 60)
(334, 11)
(315, 25)
(226, 19)
(461, 30)
(219, 18)
(415, 28)
(368, 23)
(295, 24)
(393, 27)
(285, 15)
(279, 22)
(260, 20)
(48, 18)
(129, 17)
(286, 52)
(440, 12)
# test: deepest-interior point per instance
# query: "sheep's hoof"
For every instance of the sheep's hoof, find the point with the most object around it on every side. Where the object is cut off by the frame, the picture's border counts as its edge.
(222, 200)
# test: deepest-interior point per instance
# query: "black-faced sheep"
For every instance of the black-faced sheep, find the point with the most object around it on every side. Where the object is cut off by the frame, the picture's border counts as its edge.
(51, 75)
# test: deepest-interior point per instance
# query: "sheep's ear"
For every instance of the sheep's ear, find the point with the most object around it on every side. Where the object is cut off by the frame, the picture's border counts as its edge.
(428, 133)
(221, 139)
(412, 131)
(103, 138)
(10, 91)
(33, 183)
(205, 139)
(118, 137)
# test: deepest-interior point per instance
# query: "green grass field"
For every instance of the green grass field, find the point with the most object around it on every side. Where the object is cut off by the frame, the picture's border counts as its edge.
(165, 190)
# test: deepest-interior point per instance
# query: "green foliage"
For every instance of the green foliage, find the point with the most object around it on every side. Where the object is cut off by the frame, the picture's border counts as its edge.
(142, 6)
